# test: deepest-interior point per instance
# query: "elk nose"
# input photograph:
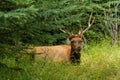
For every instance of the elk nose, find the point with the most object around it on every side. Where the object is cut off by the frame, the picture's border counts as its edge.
(79, 48)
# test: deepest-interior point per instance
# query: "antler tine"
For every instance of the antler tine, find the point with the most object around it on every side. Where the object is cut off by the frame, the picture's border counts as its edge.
(80, 31)
(89, 22)
(65, 31)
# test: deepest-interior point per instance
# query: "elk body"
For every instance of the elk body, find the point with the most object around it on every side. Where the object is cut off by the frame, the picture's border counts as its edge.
(55, 53)
(61, 52)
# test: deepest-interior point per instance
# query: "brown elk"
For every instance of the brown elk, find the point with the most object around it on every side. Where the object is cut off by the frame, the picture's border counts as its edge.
(64, 52)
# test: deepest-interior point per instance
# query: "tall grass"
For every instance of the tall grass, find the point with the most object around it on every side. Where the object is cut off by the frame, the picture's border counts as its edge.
(99, 62)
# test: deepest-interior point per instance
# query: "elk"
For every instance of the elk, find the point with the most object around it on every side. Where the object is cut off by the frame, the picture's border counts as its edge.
(61, 53)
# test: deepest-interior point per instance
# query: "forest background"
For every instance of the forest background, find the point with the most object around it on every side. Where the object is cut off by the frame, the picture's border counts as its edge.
(38, 23)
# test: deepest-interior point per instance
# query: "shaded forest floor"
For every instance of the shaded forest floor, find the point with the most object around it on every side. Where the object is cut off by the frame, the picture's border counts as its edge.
(99, 62)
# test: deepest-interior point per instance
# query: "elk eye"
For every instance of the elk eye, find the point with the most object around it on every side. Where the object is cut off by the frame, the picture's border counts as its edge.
(72, 41)
(79, 41)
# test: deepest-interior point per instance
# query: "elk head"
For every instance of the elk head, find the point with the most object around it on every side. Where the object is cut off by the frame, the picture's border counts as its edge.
(76, 41)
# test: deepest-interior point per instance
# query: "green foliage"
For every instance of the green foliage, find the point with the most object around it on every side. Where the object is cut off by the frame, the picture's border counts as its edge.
(14, 18)
(38, 22)
(73, 16)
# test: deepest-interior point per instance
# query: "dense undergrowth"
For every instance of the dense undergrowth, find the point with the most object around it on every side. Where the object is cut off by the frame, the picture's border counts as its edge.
(99, 62)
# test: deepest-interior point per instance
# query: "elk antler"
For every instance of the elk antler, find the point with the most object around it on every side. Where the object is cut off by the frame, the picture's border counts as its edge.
(89, 22)
(65, 32)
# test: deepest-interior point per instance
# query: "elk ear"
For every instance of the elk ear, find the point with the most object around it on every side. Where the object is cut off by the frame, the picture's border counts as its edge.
(80, 33)
(70, 36)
